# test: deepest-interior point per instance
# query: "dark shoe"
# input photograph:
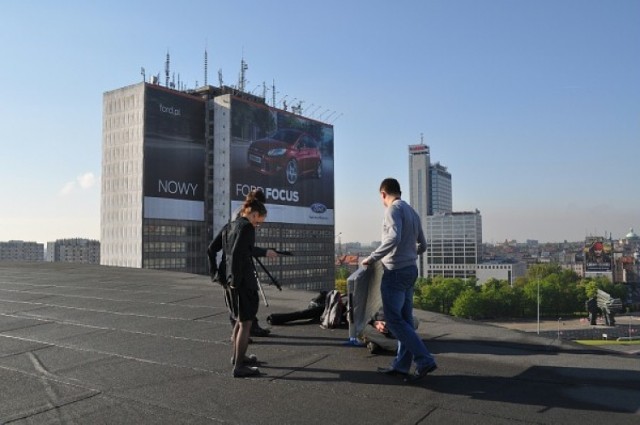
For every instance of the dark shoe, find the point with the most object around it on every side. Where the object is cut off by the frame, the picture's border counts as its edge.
(420, 374)
(256, 330)
(245, 372)
(391, 371)
(251, 359)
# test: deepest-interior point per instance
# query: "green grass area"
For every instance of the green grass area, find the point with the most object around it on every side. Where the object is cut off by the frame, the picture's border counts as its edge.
(596, 342)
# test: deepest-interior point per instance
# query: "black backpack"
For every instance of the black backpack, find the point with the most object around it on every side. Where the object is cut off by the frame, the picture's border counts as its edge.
(334, 310)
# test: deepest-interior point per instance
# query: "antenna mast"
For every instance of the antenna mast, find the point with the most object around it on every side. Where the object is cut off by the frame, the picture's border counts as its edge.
(166, 70)
(273, 93)
(243, 68)
(220, 77)
(205, 65)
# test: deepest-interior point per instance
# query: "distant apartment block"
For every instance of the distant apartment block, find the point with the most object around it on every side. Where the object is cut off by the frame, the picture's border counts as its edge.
(76, 250)
(21, 251)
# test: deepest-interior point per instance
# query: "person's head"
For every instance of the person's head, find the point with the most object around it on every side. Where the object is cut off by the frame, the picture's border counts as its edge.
(390, 191)
(254, 210)
(380, 326)
(256, 194)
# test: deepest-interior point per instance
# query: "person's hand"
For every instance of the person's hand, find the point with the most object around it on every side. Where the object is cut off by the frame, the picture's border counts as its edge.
(366, 262)
(271, 253)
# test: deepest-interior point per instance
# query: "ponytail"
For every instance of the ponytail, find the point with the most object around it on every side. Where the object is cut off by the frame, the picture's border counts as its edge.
(254, 202)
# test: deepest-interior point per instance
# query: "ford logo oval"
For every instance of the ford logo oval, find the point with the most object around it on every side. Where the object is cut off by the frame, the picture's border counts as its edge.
(318, 208)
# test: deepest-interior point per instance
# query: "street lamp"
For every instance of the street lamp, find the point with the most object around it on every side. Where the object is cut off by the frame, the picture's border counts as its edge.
(538, 306)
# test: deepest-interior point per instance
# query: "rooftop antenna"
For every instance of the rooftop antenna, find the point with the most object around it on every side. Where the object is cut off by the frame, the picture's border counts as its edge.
(273, 94)
(243, 69)
(166, 70)
(422, 138)
(220, 77)
(144, 77)
(264, 90)
(336, 118)
(308, 107)
(205, 64)
(297, 109)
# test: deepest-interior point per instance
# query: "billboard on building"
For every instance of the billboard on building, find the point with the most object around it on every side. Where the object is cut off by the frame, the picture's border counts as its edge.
(415, 149)
(597, 255)
(174, 155)
(288, 156)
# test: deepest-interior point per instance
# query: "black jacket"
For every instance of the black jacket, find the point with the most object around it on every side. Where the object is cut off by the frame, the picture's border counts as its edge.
(237, 241)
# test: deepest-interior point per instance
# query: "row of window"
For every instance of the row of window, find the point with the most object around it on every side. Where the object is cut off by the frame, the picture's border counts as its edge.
(165, 247)
(165, 263)
(297, 260)
(464, 274)
(452, 260)
(172, 230)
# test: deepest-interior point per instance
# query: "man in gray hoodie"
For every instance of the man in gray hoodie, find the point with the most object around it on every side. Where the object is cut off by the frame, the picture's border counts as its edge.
(402, 240)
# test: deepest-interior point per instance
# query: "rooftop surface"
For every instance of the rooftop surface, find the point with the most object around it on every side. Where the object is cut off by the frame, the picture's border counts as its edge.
(106, 345)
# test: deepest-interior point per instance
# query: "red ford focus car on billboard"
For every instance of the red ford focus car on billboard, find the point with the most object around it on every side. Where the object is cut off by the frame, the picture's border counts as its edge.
(289, 152)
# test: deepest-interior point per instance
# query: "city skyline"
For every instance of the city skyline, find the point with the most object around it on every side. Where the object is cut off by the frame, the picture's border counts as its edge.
(534, 108)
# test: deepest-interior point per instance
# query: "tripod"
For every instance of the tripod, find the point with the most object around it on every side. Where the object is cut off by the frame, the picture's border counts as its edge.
(274, 281)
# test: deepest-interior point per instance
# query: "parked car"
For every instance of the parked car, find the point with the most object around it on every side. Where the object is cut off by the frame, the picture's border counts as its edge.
(292, 153)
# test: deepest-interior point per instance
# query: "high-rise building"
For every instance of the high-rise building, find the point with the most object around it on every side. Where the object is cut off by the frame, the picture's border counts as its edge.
(420, 180)
(440, 194)
(177, 166)
(454, 244)
(153, 157)
(429, 188)
(429, 184)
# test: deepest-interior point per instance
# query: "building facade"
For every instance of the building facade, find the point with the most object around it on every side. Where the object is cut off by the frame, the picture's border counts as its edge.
(440, 194)
(21, 251)
(454, 245)
(508, 271)
(420, 180)
(85, 251)
(176, 168)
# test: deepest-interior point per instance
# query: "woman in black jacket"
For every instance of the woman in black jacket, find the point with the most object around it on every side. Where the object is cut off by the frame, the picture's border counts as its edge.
(239, 249)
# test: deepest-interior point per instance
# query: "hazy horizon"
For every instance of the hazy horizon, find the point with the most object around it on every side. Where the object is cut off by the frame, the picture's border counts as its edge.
(533, 107)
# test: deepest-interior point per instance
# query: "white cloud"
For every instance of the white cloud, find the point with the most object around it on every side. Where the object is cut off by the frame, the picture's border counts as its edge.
(87, 180)
(84, 181)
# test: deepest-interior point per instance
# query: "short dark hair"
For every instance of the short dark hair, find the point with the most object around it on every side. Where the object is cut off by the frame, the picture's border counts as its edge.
(390, 186)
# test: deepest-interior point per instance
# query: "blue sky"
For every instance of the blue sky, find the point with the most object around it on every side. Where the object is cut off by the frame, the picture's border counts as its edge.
(534, 106)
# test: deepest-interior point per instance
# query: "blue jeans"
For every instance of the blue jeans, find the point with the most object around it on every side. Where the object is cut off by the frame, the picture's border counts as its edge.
(397, 302)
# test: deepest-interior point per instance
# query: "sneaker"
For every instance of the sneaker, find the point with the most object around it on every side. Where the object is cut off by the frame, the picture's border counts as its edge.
(392, 372)
(245, 372)
(420, 374)
(251, 359)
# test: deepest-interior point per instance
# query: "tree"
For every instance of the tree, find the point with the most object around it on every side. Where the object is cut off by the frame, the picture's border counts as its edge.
(439, 293)
(468, 304)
